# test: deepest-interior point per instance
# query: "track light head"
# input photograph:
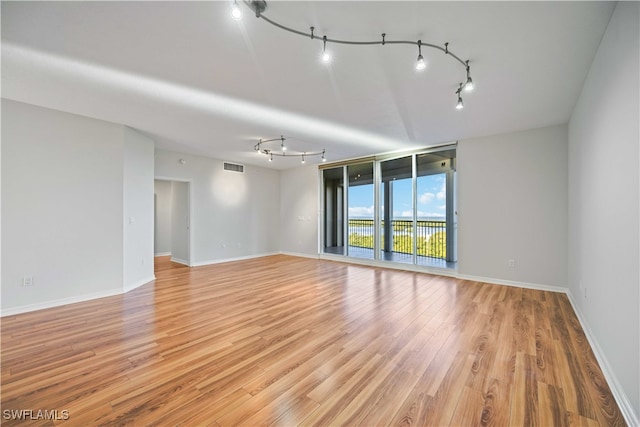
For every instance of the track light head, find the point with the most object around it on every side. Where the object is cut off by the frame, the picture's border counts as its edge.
(460, 104)
(420, 64)
(326, 57)
(258, 6)
(324, 159)
(236, 13)
(468, 86)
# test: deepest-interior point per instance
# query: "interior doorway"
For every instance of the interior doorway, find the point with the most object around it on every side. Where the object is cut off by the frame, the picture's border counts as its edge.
(172, 220)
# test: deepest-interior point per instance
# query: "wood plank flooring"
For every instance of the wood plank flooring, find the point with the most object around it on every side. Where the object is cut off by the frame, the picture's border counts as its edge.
(292, 341)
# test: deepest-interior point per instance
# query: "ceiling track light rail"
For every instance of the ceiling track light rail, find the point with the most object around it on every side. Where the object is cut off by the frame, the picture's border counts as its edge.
(259, 6)
(284, 151)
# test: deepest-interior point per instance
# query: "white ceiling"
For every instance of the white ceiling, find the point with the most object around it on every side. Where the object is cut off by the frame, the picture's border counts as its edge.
(202, 83)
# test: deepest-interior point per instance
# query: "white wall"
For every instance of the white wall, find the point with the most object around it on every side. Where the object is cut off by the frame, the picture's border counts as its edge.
(180, 222)
(62, 178)
(162, 236)
(138, 208)
(512, 204)
(233, 215)
(299, 211)
(604, 201)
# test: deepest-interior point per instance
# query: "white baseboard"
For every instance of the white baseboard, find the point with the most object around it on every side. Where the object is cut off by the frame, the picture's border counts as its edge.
(391, 265)
(241, 258)
(59, 302)
(180, 261)
(162, 254)
(516, 284)
(619, 395)
(138, 283)
(300, 255)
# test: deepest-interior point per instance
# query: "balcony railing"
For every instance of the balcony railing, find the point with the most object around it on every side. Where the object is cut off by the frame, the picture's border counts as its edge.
(431, 237)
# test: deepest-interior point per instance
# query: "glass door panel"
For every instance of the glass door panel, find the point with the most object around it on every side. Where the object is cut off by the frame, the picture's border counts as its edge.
(431, 226)
(333, 211)
(396, 195)
(360, 211)
(434, 235)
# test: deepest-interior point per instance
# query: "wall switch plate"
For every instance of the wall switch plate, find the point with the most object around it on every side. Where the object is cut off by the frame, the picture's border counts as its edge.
(27, 281)
(512, 263)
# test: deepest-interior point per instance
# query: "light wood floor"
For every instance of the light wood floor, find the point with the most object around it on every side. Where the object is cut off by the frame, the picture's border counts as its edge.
(287, 341)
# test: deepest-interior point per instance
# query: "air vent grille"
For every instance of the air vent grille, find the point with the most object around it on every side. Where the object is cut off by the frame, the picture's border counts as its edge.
(233, 167)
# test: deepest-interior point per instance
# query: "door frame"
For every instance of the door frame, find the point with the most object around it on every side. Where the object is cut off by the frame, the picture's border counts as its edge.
(189, 213)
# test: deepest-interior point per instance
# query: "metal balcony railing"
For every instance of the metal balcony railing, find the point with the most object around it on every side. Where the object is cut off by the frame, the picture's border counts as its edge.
(431, 238)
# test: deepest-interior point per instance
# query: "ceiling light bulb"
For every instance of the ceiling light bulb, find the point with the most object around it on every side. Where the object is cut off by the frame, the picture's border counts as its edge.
(303, 159)
(421, 65)
(459, 105)
(326, 57)
(324, 159)
(236, 13)
(468, 86)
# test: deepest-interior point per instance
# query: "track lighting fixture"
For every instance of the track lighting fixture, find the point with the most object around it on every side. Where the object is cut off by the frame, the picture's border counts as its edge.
(262, 143)
(236, 13)
(259, 6)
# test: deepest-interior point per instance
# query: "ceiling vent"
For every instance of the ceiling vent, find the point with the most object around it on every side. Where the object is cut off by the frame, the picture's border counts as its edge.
(233, 167)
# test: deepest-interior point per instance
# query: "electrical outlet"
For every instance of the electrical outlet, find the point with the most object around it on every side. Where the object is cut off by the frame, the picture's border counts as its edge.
(27, 281)
(512, 263)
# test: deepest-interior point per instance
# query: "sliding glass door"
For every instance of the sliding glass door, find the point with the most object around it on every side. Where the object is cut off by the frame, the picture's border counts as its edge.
(397, 209)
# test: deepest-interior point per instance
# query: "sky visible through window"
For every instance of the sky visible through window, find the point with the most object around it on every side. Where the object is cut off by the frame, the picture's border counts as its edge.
(431, 199)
